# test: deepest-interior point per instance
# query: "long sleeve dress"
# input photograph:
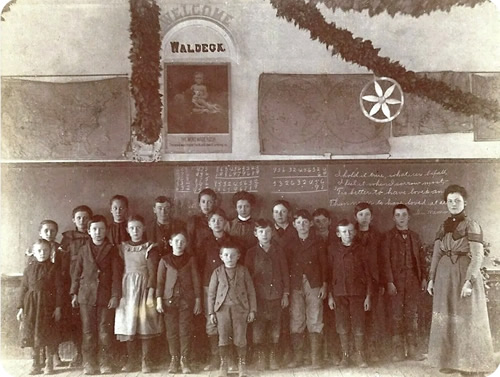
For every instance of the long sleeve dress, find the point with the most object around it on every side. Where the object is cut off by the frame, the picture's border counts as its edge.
(460, 336)
(40, 293)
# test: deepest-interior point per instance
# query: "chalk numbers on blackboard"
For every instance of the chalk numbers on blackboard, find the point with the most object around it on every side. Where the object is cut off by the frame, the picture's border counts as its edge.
(299, 179)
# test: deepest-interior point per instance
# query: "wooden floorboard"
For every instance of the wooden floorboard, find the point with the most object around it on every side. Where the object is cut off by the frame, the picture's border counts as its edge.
(21, 367)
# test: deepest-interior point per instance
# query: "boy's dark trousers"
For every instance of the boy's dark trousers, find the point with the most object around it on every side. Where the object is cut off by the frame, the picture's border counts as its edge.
(97, 330)
(350, 318)
(179, 328)
(405, 311)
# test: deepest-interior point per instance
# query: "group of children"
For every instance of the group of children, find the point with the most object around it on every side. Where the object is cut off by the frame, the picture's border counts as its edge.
(126, 283)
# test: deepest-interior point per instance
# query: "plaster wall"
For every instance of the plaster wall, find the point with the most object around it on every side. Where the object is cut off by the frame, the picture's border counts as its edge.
(91, 37)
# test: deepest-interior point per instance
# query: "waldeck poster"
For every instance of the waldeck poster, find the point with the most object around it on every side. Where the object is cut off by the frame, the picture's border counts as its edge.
(198, 108)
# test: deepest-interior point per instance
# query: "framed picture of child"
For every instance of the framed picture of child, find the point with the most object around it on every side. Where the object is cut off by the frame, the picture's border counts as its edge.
(197, 115)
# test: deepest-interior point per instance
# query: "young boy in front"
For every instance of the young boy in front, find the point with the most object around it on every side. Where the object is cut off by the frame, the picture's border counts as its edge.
(118, 229)
(208, 260)
(96, 288)
(404, 270)
(72, 240)
(308, 282)
(269, 271)
(231, 305)
(350, 290)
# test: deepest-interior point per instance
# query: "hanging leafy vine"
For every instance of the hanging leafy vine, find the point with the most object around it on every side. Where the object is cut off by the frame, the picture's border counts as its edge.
(392, 7)
(145, 59)
(305, 15)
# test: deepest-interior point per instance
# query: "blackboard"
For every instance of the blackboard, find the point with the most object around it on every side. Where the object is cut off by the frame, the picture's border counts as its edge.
(33, 192)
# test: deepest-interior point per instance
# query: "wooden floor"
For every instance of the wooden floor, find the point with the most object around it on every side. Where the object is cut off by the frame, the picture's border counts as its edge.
(21, 367)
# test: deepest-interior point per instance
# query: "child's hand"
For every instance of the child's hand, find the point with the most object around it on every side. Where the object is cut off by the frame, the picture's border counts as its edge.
(197, 307)
(284, 302)
(150, 301)
(113, 303)
(391, 289)
(331, 302)
(367, 303)
(423, 285)
(322, 292)
(159, 305)
(20, 315)
(251, 317)
(430, 287)
(57, 314)
(381, 291)
(74, 301)
(213, 318)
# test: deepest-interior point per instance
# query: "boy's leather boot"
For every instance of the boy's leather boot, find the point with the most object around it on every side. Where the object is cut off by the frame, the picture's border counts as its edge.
(35, 367)
(242, 361)
(398, 348)
(260, 357)
(273, 357)
(224, 366)
(49, 364)
(359, 356)
(215, 358)
(316, 339)
(413, 353)
(344, 344)
(298, 353)
(186, 369)
(174, 364)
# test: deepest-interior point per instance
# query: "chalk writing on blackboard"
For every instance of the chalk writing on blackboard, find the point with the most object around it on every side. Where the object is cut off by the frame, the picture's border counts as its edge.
(223, 179)
(299, 179)
(232, 178)
(420, 188)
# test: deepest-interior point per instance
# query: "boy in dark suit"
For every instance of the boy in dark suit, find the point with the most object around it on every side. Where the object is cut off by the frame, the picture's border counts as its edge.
(269, 270)
(405, 273)
(96, 288)
(350, 290)
(231, 304)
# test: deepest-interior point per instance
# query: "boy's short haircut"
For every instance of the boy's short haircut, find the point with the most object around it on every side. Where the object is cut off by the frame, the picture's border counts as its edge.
(304, 213)
(244, 195)
(136, 218)
(207, 191)
(400, 206)
(218, 211)
(40, 241)
(164, 199)
(263, 223)
(362, 206)
(119, 197)
(321, 212)
(229, 245)
(48, 222)
(97, 219)
(343, 222)
(455, 189)
(82, 208)
(178, 230)
(284, 203)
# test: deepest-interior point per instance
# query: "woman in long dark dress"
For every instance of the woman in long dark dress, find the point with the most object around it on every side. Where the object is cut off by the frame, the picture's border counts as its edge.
(460, 337)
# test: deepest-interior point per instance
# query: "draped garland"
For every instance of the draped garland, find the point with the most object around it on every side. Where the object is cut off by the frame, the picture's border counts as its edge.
(146, 45)
(414, 8)
(146, 68)
(356, 50)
